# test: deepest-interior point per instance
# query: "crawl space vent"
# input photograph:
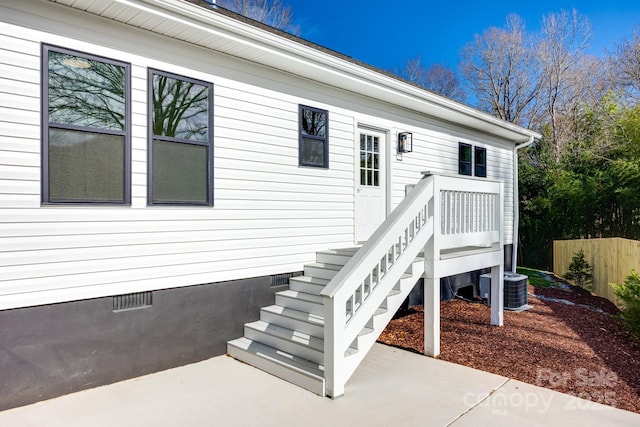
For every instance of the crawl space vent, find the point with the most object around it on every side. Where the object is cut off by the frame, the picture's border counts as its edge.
(131, 301)
(283, 279)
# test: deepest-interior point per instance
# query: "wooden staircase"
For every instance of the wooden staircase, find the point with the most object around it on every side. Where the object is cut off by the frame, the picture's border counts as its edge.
(319, 330)
(288, 340)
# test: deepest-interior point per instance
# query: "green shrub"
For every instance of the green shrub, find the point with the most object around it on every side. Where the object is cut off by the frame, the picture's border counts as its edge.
(629, 294)
(580, 271)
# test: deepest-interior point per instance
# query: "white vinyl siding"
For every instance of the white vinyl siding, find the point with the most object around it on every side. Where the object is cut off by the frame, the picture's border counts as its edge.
(269, 216)
(438, 152)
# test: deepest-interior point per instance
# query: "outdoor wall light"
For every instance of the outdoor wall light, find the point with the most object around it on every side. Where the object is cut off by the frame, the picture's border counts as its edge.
(405, 142)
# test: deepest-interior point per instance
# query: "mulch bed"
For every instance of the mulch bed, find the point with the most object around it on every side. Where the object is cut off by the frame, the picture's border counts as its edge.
(566, 348)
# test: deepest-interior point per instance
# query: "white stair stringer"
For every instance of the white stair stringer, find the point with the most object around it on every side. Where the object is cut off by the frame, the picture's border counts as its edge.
(382, 317)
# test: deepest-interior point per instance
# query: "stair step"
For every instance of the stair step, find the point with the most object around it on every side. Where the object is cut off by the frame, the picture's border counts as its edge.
(293, 342)
(321, 270)
(301, 301)
(336, 256)
(311, 324)
(310, 285)
(300, 372)
(288, 340)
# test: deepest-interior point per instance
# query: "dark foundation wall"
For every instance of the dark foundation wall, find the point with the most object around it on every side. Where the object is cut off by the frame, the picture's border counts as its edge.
(48, 351)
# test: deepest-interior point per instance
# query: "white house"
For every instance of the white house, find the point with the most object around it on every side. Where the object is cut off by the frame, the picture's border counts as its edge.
(166, 166)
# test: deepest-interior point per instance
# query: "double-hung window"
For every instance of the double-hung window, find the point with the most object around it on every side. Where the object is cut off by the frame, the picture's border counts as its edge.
(472, 160)
(181, 140)
(314, 137)
(86, 148)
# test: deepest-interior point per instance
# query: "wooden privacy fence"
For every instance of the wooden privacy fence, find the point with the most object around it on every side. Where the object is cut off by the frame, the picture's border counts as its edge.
(612, 260)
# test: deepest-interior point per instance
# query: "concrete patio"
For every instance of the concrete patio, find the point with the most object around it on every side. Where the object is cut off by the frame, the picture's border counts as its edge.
(392, 387)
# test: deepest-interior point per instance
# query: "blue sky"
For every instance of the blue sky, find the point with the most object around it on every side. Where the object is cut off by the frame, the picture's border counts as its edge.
(387, 33)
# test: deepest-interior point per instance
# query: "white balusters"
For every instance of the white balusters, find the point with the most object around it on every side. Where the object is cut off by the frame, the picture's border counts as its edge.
(468, 210)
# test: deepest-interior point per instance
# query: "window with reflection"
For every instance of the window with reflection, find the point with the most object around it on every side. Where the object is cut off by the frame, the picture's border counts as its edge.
(314, 142)
(464, 159)
(180, 148)
(86, 130)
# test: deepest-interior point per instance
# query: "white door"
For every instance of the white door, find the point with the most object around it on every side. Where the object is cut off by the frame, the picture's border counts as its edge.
(370, 183)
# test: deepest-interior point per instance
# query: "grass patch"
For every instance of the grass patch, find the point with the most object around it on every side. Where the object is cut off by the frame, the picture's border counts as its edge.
(536, 277)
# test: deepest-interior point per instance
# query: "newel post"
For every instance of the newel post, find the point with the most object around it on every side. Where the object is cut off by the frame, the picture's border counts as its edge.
(334, 324)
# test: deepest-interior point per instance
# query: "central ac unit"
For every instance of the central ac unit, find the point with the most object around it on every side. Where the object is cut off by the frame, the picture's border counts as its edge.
(515, 290)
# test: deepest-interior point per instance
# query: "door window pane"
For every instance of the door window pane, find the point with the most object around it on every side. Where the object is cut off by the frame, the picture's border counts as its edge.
(369, 160)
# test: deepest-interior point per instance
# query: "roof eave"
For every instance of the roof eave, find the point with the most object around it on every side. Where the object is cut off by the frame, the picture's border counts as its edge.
(223, 33)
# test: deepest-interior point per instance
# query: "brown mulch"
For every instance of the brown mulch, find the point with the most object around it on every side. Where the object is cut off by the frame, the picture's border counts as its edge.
(566, 348)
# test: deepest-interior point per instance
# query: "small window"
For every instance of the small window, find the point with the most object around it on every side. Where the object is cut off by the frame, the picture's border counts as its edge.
(181, 140)
(86, 148)
(464, 159)
(314, 138)
(480, 161)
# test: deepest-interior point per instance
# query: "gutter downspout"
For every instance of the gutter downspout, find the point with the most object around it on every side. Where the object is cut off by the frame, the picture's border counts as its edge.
(516, 202)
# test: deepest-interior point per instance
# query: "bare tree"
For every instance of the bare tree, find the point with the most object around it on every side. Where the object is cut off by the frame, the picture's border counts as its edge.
(437, 78)
(414, 71)
(271, 12)
(500, 68)
(560, 54)
(626, 63)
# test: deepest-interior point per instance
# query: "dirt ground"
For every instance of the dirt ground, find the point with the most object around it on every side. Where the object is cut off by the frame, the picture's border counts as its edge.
(567, 348)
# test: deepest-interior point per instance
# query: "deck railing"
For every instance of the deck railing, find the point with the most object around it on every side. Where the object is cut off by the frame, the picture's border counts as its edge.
(468, 214)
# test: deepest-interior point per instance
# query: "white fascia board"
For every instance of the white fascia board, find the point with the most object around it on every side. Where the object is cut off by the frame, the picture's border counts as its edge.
(288, 55)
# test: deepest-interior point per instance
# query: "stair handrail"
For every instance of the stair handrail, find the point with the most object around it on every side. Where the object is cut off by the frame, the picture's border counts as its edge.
(359, 288)
(458, 212)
